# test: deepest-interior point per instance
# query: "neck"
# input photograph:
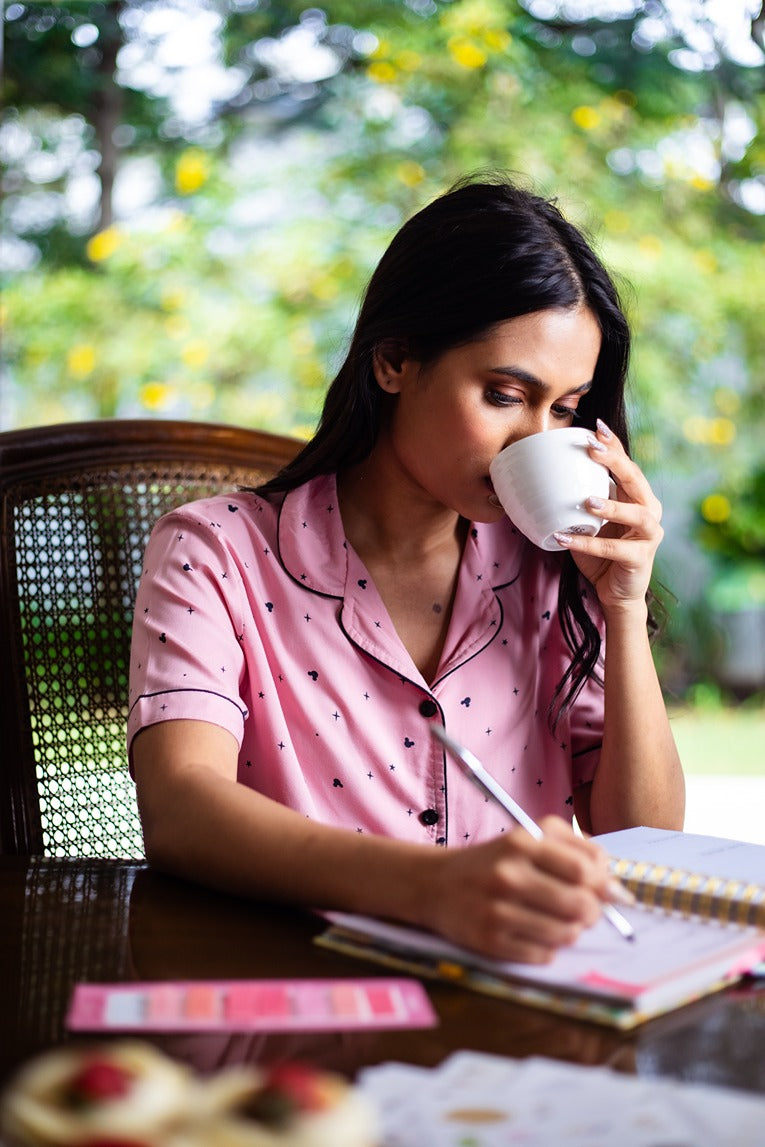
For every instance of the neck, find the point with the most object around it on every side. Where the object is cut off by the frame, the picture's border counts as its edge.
(385, 517)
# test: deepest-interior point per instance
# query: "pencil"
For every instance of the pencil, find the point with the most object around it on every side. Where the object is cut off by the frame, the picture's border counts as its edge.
(486, 781)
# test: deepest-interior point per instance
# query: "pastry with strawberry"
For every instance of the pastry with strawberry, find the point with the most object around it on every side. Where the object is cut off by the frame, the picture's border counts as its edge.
(125, 1094)
(295, 1105)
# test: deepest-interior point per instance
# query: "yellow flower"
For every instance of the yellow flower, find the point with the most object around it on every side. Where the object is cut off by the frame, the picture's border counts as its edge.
(473, 17)
(705, 261)
(586, 118)
(172, 299)
(81, 360)
(382, 72)
(191, 171)
(722, 431)
(715, 509)
(709, 431)
(466, 52)
(156, 395)
(497, 39)
(410, 173)
(195, 354)
(103, 244)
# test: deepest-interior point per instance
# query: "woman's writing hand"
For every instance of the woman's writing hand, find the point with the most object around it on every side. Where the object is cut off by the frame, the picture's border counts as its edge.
(619, 560)
(518, 898)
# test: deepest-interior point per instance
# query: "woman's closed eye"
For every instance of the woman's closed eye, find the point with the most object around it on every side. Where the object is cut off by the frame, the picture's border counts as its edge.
(564, 412)
(503, 398)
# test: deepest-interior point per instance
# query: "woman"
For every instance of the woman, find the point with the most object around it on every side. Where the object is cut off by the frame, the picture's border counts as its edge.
(293, 645)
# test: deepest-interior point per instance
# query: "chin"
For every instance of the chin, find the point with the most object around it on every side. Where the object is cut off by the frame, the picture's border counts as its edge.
(488, 514)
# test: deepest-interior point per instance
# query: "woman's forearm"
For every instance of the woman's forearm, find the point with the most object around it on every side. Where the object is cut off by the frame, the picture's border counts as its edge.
(513, 897)
(639, 778)
(235, 839)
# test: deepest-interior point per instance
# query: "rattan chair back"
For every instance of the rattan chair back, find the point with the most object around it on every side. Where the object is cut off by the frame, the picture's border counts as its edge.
(77, 504)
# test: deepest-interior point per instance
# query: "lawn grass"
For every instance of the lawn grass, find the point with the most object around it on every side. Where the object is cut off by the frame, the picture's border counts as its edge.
(723, 742)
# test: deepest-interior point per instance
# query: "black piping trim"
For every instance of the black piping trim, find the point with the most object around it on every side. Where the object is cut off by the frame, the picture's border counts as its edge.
(583, 752)
(288, 571)
(167, 692)
(493, 637)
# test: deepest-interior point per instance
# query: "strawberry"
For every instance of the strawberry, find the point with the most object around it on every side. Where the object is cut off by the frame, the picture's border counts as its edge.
(289, 1090)
(98, 1081)
(300, 1083)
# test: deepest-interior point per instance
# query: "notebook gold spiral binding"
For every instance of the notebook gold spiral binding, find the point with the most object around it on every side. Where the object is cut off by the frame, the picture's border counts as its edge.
(693, 894)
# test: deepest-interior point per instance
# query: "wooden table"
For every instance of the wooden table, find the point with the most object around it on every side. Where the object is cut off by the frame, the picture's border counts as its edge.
(65, 921)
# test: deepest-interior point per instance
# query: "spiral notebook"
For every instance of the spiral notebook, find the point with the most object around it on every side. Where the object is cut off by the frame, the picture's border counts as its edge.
(696, 932)
(706, 876)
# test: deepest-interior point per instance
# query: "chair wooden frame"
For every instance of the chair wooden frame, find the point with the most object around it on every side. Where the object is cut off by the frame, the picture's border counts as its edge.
(30, 460)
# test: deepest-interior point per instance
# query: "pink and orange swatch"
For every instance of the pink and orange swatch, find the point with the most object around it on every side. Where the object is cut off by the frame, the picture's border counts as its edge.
(251, 1005)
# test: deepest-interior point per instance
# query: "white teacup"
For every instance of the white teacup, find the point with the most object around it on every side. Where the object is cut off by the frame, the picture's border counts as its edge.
(544, 480)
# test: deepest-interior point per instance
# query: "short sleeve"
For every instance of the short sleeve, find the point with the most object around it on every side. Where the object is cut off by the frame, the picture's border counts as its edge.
(186, 656)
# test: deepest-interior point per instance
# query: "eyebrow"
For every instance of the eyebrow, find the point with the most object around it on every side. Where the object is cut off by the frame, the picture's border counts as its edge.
(539, 384)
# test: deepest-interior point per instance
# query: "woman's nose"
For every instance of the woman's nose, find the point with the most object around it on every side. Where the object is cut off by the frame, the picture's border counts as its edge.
(534, 422)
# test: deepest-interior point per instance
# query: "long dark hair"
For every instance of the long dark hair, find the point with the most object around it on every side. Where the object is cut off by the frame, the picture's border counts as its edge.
(484, 252)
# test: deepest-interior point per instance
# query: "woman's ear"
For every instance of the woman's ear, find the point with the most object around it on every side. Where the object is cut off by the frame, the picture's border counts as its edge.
(388, 360)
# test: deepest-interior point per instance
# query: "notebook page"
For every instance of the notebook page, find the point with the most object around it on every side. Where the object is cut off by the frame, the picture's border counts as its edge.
(705, 855)
(601, 963)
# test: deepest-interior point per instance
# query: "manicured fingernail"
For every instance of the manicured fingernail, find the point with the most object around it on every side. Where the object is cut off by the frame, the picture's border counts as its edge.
(603, 429)
(563, 540)
(620, 893)
(594, 503)
(595, 444)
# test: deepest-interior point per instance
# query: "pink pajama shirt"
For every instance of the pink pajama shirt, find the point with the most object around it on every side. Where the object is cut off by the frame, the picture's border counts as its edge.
(258, 616)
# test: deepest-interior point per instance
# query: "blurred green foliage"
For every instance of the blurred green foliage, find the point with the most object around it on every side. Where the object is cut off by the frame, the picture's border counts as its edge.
(173, 257)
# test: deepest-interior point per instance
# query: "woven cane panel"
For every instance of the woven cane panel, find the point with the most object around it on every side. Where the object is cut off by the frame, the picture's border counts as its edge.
(79, 551)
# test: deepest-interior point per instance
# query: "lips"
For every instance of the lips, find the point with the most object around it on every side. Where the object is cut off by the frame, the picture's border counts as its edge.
(493, 499)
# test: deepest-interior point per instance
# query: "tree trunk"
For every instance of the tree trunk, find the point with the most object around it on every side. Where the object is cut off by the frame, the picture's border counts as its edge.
(107, 110)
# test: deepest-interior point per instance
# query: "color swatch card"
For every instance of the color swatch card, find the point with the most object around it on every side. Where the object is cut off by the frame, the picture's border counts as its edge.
(251, 1005)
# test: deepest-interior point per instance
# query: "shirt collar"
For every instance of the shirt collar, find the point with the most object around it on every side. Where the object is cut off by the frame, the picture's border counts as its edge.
(316, 554)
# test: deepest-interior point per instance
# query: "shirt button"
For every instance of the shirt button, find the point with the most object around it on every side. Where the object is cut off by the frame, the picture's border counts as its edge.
(429, 816)
(428, 708)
